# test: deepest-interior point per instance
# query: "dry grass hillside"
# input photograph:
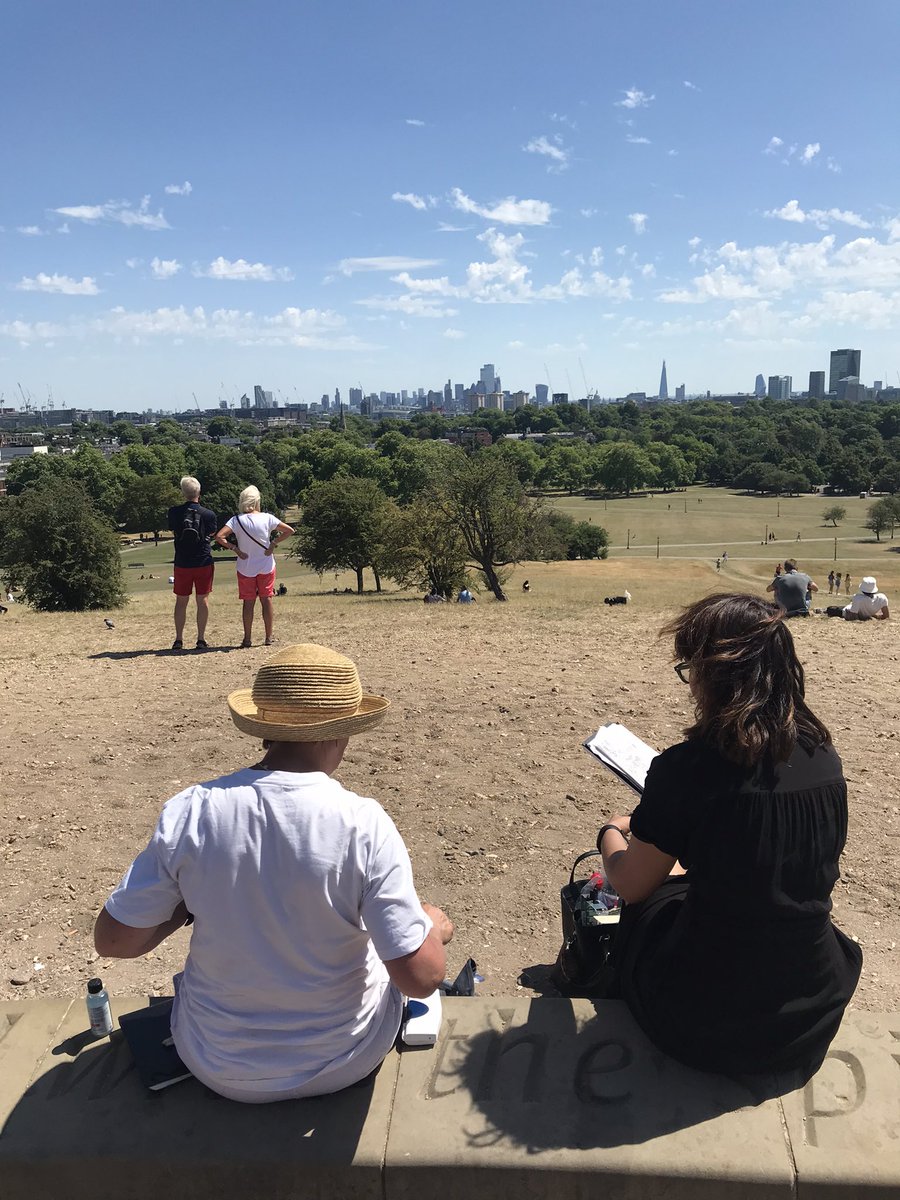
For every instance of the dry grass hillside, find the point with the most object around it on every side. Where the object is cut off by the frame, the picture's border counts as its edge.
(480, 762)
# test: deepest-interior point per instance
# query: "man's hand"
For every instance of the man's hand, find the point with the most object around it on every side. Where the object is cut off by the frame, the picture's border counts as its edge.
(241, 555)
(441, 921)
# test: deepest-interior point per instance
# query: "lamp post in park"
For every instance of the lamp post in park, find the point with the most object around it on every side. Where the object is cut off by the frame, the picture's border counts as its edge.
(628, 539)
(835, 549)
(657, 547)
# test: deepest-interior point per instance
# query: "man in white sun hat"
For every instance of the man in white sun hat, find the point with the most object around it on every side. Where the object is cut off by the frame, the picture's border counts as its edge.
(868, 603)
(307, 927)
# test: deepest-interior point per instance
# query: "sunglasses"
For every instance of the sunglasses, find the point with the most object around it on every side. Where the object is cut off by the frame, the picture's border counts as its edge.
(683, 671)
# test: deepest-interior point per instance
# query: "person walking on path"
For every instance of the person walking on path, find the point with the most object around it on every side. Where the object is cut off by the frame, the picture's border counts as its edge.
(193, 527)
(837, 583)
(306, 928)
(725, 557)
(718, 564)
(830, 582)
(253, 532)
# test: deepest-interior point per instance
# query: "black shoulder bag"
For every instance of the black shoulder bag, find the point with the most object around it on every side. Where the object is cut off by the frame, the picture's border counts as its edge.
(583, 966)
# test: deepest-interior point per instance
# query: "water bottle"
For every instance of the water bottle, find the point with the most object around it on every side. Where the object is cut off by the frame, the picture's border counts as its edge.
(99, 1013)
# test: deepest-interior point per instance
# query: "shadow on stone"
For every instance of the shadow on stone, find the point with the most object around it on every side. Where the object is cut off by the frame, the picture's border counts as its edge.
(187, 652)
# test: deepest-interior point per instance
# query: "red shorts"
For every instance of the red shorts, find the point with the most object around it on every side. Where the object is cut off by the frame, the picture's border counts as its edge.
(251, 586)
(187, 578)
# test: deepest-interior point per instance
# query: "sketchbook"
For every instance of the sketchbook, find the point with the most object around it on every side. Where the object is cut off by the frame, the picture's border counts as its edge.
(149, 1038)
(623, 753)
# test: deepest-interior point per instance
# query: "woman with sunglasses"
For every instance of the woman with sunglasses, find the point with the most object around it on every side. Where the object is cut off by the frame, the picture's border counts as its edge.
(726, 953)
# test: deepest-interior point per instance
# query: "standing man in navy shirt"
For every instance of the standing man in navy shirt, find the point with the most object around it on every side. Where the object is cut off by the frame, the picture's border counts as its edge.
(194, 527)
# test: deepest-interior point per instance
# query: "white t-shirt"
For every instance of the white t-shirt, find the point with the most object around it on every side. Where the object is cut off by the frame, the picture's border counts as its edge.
(260, 525)
(867, 604)
(299, 890)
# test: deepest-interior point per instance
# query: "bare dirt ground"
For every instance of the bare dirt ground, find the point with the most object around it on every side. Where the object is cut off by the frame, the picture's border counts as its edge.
(480, 761)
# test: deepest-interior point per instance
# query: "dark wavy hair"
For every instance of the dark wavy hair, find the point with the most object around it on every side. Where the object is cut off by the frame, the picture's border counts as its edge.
(747, 681)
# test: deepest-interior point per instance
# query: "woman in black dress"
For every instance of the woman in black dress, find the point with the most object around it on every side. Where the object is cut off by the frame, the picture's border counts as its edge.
(726, 953)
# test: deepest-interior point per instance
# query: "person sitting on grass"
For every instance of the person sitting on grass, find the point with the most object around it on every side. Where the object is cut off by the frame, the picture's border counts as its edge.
(252, 530)
(792, 589)
(868, 604)
(307, 930)
(726, 953)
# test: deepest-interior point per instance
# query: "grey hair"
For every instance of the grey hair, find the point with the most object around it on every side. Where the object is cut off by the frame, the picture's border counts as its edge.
(249, 499)
(190, 487)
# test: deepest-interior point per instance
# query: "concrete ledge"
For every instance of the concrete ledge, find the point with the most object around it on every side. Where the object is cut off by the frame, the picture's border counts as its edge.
(543, 1098)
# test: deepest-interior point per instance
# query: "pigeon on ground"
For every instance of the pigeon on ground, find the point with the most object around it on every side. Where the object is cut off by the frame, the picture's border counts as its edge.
(108, 623)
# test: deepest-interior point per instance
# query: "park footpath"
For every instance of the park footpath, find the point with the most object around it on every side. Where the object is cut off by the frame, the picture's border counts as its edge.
(524, 1098)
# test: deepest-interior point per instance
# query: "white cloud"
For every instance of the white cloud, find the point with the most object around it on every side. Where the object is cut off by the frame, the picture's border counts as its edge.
(64, 228)
(822, 218)
(133, 263)
(386, 262)
(554, 150)
(179, 189)
(562, 119)
(637, 141)
(306, 328)
(30, 230)
(809, 153)
(719, 284)
(420, 202)
(694, 242)
(831, 165)
(515, 345)
(693, 87)
(435, 287)
(241, 271)
(774, 146)
(672, 153)
(454, 334)
(410, 306)
(638, 221)
(596, 256)
(444, 227)
(164, 268)
(117, 211)
(589, 212)
(414, 121)
(634, 98)
(648, 270)
(61, 284)
(508, 212)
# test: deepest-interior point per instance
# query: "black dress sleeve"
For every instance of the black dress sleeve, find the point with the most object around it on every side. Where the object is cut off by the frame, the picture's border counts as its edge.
(661, 818)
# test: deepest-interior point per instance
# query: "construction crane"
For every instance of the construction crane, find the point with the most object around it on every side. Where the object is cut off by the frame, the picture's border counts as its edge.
(26, 400)
(571, 389)
(50, 403)
(197, 402)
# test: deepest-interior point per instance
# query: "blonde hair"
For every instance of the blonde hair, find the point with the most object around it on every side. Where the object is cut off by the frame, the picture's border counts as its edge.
(190, 487)
(249, 500)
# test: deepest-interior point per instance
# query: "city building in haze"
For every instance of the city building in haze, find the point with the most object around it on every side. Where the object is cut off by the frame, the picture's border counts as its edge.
(817, 385)
(541, 397)
(560, 397)
(851, 389)
(325, 402)
(356, 395)
(448, 393)
(760, 389)
(679, 393)
(259, 397)
(780, 387)
(245, 401)
(488, 379)
(663, 383)
(337, 397)
(845, 364)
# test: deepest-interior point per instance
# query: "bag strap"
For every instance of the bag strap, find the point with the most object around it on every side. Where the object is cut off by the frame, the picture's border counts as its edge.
(237, 517)
(581, 858)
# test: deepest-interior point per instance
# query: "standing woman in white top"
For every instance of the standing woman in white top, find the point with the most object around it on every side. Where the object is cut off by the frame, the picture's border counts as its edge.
(253, 532)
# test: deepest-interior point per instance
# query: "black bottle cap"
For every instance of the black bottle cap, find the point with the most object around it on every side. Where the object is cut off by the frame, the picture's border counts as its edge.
(95, 986)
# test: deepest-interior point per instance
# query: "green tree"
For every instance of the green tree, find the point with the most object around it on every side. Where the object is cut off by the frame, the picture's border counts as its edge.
(588, 541)
(625, 466)
(146, 503)
(834, 514)
(672, 467)
(60, 549)
(224, 426)
(345, 525)
(424, 550)
(482, 497)
(882, 515)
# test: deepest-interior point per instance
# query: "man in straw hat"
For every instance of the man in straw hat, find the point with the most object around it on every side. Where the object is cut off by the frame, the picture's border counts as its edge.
(307, 928)
(868, 603)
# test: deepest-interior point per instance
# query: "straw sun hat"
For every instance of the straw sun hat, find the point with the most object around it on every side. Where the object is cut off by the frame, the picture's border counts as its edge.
(306, 693)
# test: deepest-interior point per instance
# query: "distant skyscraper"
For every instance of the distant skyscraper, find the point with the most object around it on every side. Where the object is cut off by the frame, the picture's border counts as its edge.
(448, 393)
(488, 378)
(541, 396)
(760, 388)
(817, 385)
(459, 392)
(356, 395)
(245, 401)
(560, 397)
(259, 396)
(663, 383)
(780, 387)
(679, 393)
(325, 402)
(337, 397)
(844, 364)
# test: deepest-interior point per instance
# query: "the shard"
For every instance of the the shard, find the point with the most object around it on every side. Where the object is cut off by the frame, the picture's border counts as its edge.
(663, 383)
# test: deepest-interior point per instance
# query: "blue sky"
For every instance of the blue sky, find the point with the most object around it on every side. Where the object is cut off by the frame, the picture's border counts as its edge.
(311, 195)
